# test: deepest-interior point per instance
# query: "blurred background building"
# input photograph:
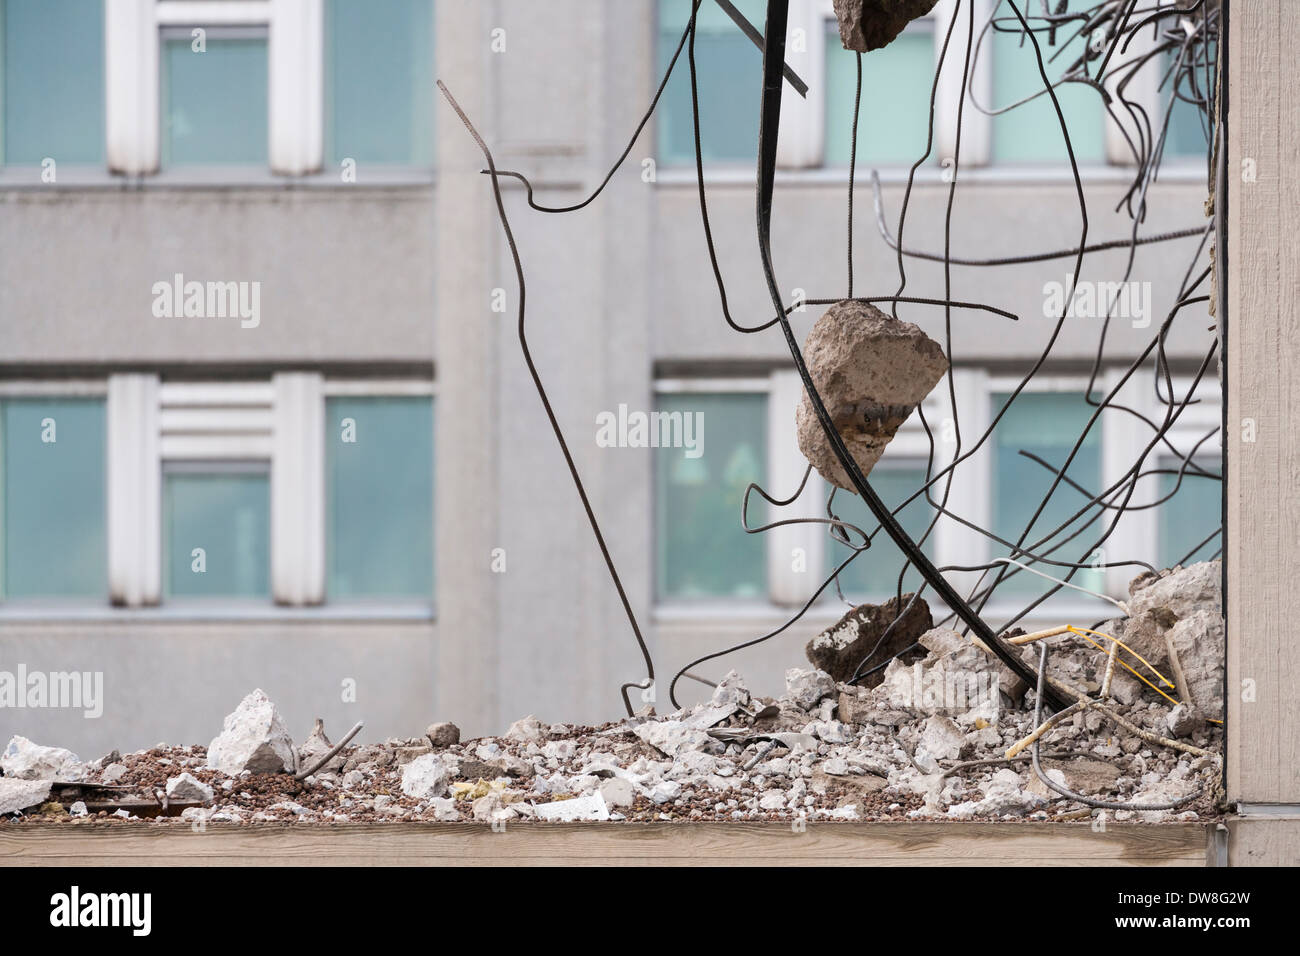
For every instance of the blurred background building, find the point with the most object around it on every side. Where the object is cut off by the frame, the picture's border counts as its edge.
(264, 419)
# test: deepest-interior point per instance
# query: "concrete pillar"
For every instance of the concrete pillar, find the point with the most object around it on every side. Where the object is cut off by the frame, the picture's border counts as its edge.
(466, 413)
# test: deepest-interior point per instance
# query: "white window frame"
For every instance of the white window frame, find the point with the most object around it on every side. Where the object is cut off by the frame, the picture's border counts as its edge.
(295, 76)
(1122, 437)
(803, 140)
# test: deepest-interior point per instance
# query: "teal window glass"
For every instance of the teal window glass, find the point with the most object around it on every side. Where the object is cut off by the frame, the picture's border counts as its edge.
(225, 512)
(379, 460)
(874, 572)
(51, 81)
(1045, 424)
(52, 477)
(894, 115)
(1031, 133)
(1188, 133)
(1189, 517)
(702, 552)
(730, 77)
(379, 81)
(214, 102)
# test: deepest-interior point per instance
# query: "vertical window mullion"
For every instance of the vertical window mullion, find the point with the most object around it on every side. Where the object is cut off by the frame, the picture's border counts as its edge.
(785, 469)
(134, 495)
(295, 86)
(298, 489)
(131, 86)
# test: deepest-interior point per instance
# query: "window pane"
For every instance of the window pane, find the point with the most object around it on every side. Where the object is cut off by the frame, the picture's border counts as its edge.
(227, 516)
(874, 572)
(379, 81)
(52, 81)
(214, 102)
(894, 118)
(1046, 424)
(379, 453)
(1188, 134)
(730, 71)
(1031, 133)
(702, 551)
(1190, 515)
(53, 479)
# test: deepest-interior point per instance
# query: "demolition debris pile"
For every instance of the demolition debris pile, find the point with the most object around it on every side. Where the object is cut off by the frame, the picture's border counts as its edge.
(945, 733)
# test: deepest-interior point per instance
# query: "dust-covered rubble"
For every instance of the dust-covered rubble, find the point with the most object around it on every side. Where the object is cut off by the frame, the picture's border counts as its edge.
(930, 741)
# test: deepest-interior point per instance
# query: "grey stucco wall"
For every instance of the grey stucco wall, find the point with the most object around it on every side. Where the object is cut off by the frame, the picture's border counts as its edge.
(346, 274)
(175, 680)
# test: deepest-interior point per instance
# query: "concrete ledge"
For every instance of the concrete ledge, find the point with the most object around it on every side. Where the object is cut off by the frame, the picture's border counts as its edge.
(651, 844)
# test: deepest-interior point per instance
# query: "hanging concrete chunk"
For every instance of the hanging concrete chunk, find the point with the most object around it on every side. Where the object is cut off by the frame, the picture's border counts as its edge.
(870, 24)
(872, 371)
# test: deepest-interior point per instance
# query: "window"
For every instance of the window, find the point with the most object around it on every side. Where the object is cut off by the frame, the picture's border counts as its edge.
(1188, 133)
(702, 550)
(379, 461)
(730, 78)
(214, 98)
(874, 573)
(52, 480)
(216, 530)
(1045, 424)
(893, 120)
(379, 81)
(1193, 512)
(51, 81)
(1031, 133)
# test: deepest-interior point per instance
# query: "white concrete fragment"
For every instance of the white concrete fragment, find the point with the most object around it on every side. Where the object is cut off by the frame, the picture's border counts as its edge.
(527, 728)
(805, 688)
(672, 736)
(17, 794)
(25, 760)
(423, 777)
(591, 807)
(186, 788)
(252, 738)
(942, 738)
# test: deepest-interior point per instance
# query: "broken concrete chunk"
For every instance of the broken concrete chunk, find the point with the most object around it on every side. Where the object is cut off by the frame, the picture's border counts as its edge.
(186, 788)
(1182, 590)
(730, 692)
(942, 739)
(316, 746)
(871, 24)
(25, 760)
(842, 647)
(617, 792)
(673, 736)
(424, 777)
(591, 807)
(1196, 648)
(871, 371)
(527, 728)
(443, 734)
(805, 688)
(17, 794)
(252, 738)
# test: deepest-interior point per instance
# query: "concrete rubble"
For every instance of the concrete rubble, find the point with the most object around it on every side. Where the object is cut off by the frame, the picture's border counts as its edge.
(930, 741)
(253, 738)
(871, 24)
(871, 371)
(869, 635)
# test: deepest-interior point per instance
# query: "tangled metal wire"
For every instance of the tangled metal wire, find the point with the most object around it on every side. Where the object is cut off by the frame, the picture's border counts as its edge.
(1181, 43)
